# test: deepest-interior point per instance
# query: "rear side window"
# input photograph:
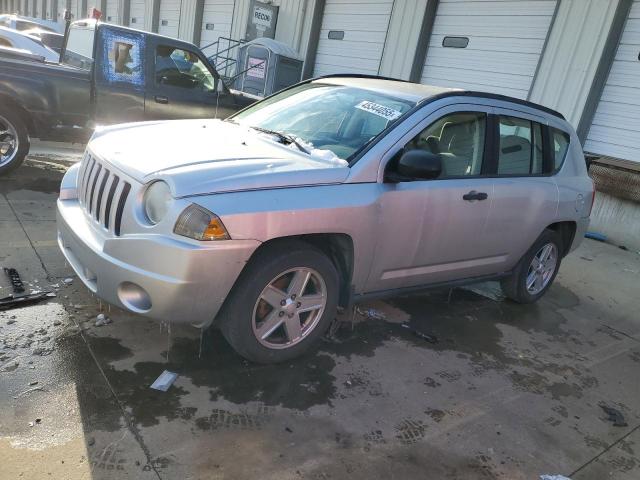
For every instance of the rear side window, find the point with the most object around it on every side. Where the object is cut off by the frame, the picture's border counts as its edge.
(520, 147)
(559, 146)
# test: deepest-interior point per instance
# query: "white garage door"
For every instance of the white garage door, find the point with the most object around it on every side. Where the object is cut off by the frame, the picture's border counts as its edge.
(38, 12)
(49, 10)
(216, 20)
(136, 14)
(505, 40)
(615, 130)
(352, 36)
(112, 14)
(169, 23)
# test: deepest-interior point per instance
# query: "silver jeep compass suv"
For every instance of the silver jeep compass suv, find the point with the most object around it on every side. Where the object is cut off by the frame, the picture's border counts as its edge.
(332, 191)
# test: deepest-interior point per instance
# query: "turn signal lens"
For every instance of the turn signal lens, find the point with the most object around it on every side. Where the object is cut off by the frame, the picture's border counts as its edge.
(200, 224)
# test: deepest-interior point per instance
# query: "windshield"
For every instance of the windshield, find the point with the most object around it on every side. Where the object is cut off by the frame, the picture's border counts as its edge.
(329, 118)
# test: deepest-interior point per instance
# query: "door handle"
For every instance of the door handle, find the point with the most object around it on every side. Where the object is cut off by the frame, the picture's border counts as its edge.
(473, 195)
(161, 99)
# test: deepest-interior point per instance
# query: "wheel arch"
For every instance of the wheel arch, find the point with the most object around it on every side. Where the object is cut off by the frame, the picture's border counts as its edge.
(567, 231)
(11, 104)
(337, 246)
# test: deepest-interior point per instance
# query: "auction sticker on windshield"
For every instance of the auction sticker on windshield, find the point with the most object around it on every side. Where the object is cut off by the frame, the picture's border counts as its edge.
(380, 110)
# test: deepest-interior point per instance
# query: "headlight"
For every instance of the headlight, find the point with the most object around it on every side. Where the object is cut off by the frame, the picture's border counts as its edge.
(157, 199)
(200, 224)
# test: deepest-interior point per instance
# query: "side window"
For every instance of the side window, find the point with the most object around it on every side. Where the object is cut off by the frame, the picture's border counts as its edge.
(560, 146)
(183, 69)
(459, 140)
(520, 147)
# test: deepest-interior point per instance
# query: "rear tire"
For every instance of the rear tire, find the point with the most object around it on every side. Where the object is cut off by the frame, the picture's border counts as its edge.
(271, 316)
(536, 270)
(14, 140)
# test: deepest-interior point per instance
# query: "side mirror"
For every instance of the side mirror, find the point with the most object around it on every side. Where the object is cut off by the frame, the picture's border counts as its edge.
(420, 164)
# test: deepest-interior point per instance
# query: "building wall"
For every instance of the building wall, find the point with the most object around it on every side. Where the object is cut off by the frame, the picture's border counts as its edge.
(572, 55)
(402, 38)
(187, 28)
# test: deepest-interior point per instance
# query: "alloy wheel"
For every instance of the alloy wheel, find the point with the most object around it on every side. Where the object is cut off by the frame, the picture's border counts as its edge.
(289, 308)
(541, 269)
(9, 141)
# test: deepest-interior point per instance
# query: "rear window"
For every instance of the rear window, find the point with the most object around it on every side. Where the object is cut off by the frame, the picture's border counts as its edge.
(79, 52)
(559, 146)
(520, 149)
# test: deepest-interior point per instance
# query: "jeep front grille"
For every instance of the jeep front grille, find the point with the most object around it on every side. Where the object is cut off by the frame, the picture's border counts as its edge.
(102, 193)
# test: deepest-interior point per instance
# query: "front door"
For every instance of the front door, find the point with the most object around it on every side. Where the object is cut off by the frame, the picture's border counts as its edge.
(182, 85)
(433, 231)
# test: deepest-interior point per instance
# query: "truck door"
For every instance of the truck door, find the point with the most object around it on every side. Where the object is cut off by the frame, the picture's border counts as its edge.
(181, 84)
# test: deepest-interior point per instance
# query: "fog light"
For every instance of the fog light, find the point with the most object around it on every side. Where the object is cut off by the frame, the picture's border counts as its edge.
(134, 297)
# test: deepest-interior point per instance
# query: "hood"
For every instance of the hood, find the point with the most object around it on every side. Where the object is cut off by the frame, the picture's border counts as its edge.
(209, 156)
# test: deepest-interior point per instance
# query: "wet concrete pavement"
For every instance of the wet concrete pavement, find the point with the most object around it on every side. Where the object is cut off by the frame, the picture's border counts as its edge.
(501, 390)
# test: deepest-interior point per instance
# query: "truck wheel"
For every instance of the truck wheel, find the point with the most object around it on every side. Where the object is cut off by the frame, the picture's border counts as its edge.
(14, 140)
(536, 270)
(283, 302)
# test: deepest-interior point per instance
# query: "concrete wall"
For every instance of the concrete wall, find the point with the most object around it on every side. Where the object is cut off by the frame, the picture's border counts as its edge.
(572, 55)
(618, 219)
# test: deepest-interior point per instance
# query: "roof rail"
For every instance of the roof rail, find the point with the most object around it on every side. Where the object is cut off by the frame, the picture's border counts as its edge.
(453, 93)
(497, 96)
(359, 75)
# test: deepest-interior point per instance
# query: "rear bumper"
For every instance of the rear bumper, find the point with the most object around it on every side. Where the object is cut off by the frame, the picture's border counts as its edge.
(153, 275)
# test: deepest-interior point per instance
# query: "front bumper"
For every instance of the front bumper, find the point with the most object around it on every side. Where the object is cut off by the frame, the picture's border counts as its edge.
(157, 276)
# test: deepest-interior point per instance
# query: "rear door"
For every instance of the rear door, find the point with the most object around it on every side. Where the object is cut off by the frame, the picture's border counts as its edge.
(525, 198)
(181, 84)
(433, 231)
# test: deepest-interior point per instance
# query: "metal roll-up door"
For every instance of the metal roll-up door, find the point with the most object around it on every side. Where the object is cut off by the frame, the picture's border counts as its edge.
(48, 10)
(136, 14)
(352, 36)
(615, 130)
(112, 15)
(38, 9)
(169, 21)
(216, 20)
(487, 45)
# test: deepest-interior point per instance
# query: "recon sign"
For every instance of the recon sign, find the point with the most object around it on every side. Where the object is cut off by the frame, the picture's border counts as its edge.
(262, 21)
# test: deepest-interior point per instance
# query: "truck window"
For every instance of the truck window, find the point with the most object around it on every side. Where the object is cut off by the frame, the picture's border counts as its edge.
(182, 68)
(79, 52)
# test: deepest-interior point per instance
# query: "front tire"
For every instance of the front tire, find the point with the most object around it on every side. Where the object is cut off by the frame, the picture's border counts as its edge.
(283, 302)
(14, 140)
(536, 270)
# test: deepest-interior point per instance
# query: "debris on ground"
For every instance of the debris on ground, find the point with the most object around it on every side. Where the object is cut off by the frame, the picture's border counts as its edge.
(419, 334)
(164, 381)
(14, 278)
(15, 301)
(102, 319)
(68, 280)
(554, 477)
(371, 313)
(615, 416)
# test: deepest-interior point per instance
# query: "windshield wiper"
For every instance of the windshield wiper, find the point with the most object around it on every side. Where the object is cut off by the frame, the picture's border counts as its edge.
(284, 138)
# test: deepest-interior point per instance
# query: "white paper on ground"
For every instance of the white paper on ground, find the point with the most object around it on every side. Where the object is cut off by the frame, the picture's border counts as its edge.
(164, 381)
